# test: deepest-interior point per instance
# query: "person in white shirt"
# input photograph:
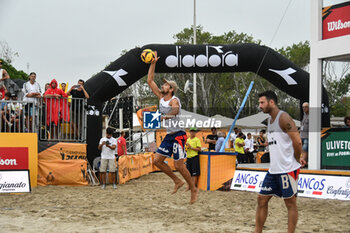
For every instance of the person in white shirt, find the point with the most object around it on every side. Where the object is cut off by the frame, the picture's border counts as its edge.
(249, 148)
(285, 149)
(233, 137)
(173, 145)
(107, 146)
(31, 89)
(32, 93)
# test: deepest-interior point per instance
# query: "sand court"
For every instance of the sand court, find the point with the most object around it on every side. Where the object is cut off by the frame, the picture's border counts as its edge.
(146, 205)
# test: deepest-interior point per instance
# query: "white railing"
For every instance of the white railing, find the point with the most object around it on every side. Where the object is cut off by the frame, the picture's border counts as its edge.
(54, 119)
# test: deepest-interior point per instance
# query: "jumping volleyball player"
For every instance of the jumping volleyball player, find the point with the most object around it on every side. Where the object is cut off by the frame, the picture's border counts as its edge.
(175, 140)
(285, 149)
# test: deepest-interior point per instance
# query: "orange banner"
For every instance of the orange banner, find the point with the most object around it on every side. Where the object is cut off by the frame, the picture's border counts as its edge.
(203, 167)
(146, 163)
(221, 170)
(134, 166)
(123, 169)
(62, 151)
(58, 172)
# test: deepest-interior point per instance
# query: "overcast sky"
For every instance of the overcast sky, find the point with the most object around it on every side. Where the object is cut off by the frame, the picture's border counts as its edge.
(69, 40)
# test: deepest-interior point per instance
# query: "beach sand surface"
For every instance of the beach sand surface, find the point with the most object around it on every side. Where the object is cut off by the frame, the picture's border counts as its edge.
(147, 205)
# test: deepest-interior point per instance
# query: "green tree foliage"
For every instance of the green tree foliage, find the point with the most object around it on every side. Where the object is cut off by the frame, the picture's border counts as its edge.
(299, 53)
(7, 55)
(336, 79)
(13, 72)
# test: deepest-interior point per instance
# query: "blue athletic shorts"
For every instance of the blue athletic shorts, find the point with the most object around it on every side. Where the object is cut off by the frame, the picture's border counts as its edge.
(282, 185)
(173, 144)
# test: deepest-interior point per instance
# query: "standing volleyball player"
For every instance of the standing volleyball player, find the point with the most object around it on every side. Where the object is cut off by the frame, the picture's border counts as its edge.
(285, 149)
(175, 140)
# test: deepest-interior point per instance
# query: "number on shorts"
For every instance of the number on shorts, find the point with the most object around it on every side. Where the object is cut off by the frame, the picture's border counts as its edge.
(285, 183)
(175, 147)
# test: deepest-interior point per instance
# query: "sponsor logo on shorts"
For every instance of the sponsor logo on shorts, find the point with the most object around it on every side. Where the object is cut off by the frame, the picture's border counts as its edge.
(163, 149)
(265, 188)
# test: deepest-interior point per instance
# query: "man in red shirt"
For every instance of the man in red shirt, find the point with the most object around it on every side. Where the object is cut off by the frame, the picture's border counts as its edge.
(121, 144)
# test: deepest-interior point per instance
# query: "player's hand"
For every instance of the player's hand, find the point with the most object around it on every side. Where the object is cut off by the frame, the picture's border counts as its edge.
(303, 162)
(155, 57)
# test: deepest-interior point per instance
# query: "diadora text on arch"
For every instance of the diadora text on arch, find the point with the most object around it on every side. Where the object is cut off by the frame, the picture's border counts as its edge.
(214, 56)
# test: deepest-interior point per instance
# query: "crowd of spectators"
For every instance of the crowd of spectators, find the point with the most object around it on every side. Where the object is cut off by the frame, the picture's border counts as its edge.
(19, 106)
(243, 144)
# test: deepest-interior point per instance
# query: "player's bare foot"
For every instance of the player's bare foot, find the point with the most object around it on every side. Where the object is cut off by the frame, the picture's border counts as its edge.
(177, 186)
(194, 195)
(187, 189)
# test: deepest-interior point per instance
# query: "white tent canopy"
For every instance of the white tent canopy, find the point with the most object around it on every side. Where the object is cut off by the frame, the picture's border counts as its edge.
(250, 122)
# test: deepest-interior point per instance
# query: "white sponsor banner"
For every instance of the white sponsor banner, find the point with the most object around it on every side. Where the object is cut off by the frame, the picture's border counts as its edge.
(248, 180)
(324, 186)
(14, 181)
(309, 185)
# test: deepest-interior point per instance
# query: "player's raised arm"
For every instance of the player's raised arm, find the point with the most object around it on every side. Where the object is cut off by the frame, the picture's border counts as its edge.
(150, 78)
(175, 106)
(288, 126)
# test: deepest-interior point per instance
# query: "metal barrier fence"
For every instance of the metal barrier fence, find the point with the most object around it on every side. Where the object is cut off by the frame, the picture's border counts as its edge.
(53, 119)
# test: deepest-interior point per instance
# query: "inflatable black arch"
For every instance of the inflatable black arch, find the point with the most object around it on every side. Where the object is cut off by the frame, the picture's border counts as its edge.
(129, 68)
